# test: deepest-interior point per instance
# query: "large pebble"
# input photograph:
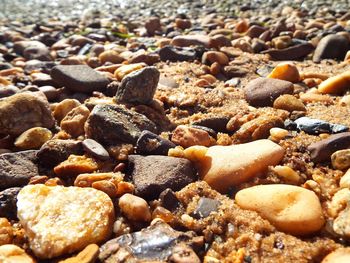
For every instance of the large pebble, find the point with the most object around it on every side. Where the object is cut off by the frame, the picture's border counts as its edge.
(174, 54)
(33, 138)
(109, 124)
(262, 92)
(60, 220)
(341, 255)
(289, 103)
(134, 207)
(223, 167)
(23, 111)
(73, 122)
(138, 86)
(341, 159)
(16, 169)
(289, 208)
(13, 254)
(154, 173)
(335, 85)
(215, 56)
(63, 107)
(321, 151)
(331, 47)
(79, 78)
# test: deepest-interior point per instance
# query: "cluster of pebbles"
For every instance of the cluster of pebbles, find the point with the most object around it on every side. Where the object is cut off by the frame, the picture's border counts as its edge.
(177, 138)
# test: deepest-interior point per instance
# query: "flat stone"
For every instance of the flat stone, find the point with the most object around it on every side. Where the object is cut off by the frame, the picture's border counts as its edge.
(331, 47)
(316, 126)
(174, 54)
(152, 144)
(23, 111)
(138, 86)
(192, 40)
(56, 151)
(79, 78)
(95, 149)
(8, 200)
(154, 173)
(59, 220)
(262, 92)
(110, 124)
(217, 123)
(321, 151)
(16, 169)
(291, 53)
(204, 207)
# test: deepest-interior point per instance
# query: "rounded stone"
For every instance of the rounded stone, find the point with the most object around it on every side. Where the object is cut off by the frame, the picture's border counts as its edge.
(341, 159)
(33, 138)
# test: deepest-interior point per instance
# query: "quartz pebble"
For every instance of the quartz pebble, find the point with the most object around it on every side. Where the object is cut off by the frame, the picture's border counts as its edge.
(285, 71)
(59, 220)
(33, 138)
(204, 207)
(134, 207)
(287, 173)
(189, 136)
(75, 165)
(14, 254)
(341, 159)
(291, 209)
(223, 167)
(73, 122)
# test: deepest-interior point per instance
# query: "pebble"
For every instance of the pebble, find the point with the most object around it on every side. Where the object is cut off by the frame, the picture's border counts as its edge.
(33, 138)
(331, 47)
(184, 254)
(6, 232)
(110, 56)
(95, 149)
(153, 174)
(73, 122)
(289, 208)
(7, 91)
(285, 71)
(13, 254)
(23, 111)
(278, 133)
(341, 159)
(341, 255)
(289, 103)
(345, 180)
(87, 255)
(171, 53)
(215, 56)
(79, 78)
(223, 167)
(204, 207)
(32, 50)
(151, 144)
(192, 40)
(139, 86)
(217, 123)
(335, 85)
(152, 25)
(16, 169)
(168, 200)
(345, 100)
(63, 107)
(291, 53)
(72, 217)
(262, 92)
(110, 124)
(255, 31)
(124, 70)
(287, 173)
(8, 200)
(183, 23)
(56, 151)
(316, 126)
(190, 136)
(321, 151)
(135, 208)
(75, 165)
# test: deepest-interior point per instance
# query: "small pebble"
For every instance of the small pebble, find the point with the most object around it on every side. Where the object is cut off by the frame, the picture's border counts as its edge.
(33, 138)
(341, 159)
(135, 208)
(95, 149)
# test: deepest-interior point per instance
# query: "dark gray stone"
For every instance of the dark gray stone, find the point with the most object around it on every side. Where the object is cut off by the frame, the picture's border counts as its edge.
(112, 124)
(95, 149)
(139, 86)
(171, 53)
(316, 126)
(154, 173)
(169, 200)
(331, 47)
(8, 200)
(152, 144)
(79, 78)
(291, 53)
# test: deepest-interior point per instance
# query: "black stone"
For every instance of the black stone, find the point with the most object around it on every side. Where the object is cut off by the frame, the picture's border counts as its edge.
(8, 200)
(205, 207)
(169, 200)
(152, 144)
(95, 149)
(174, 54)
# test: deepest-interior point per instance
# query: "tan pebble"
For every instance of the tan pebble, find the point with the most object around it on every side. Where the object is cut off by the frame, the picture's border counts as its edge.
(10, 71)
(6, 231)
(289, 208)
(64, 107)
(124, 70)
(14, 254)
(336, 84)
(75, 165)
(124, 188)
(73, 122)
(202, 83)
(87, 255)
(135, 208)
(345, 180)
(210, 78)
(313, 186)
(242, 26)
(289, 103)
(285, 71)
(307, 75)
(341, 255)
(312, 82)
(215, 68)
(341, 159)
(287, 173)
(178, 151)
(187, 136)
(243, 45)
(312, 97)
(86, 180)
(60, 220)
(345, 100)
(110, 56)
(215, 56)
(54, 182)
(223, 167)
(107, 187)
(33, 138)
(278, 133)
(282, 42)
(4, 81)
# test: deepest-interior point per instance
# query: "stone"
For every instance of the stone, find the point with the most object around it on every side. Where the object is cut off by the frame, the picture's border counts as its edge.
(33, 138)
(192, 40)
(223, 167)
(7, 91)
(190, 136)
(341, 255)
(151, 144)
(285, 71)
(289, 103)
(152, 25)
(168, 200)
(171, 53)
(154, 173)
(95, 149)
(59, 220)
(262, 92)
(289, 208)
(50, 92)
(316, 126)
(74, 121)
(331, 47)
(23, 111)
(13, 254)
(217, 123)
(110, 56)
(87, 255)
(75, 165)
(321, 151)
(291, 53)
(336, 84)
(232, 71)
(255, 31)
(139, 86)
(6, 231)
(341, 159)
(157, 242)
(32, 50)
(215, 56)
(56, 151)
(124, 70)
(63, 107)
(110, 124)
(8, 200)
(79, 78)
(16, 169)
(345, 180)
(149, 59)
(183, 254)
(134, 208)
(204, 207)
